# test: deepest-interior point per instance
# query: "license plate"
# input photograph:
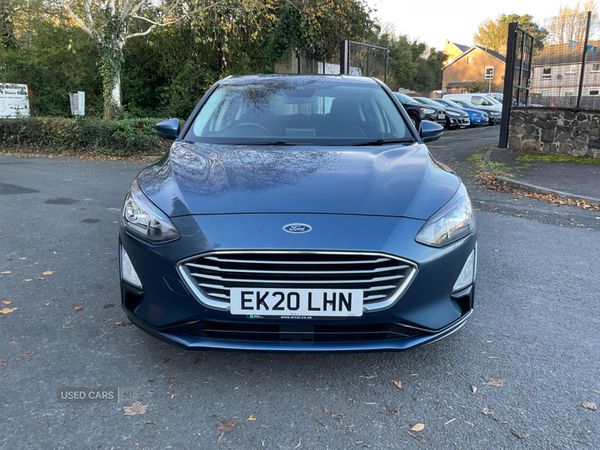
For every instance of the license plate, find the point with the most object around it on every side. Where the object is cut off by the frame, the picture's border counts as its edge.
(297, 302)
(442, 116)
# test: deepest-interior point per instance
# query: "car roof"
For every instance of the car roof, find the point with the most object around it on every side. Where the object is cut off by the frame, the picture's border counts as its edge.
(348, 80)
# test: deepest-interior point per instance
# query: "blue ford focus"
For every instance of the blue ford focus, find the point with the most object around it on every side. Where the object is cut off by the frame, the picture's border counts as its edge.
(298, 213)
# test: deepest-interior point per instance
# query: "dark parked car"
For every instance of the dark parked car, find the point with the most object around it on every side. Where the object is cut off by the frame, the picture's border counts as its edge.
(478, 117)
(418, 111)
(298, 213)
(494, 114)
(455, 117)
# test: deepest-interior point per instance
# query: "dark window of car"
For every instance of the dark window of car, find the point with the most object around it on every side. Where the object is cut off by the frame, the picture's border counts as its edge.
(297, 111)
(481, 101)
(405, 99)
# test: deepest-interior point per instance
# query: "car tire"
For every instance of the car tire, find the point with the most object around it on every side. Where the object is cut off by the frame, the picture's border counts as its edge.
(416, 122)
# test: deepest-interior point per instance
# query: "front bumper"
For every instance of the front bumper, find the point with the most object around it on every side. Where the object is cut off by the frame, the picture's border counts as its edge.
(167, 309)
(480, 121)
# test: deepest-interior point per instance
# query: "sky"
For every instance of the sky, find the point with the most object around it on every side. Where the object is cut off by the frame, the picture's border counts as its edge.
(435, 21)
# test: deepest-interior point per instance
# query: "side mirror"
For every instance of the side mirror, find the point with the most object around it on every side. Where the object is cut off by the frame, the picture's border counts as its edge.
(430, 131)
(168, 129)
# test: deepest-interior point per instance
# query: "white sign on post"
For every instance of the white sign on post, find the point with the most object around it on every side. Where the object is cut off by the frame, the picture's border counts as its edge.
(77, 99)
(14, 101)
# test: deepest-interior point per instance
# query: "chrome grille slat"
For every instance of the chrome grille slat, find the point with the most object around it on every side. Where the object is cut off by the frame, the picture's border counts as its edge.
(378, 288)
(252, 261)
(239, 280)
(299, 272)
(382, 278)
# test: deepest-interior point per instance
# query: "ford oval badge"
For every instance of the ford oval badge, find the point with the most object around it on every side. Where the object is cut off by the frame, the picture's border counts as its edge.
(297, 228)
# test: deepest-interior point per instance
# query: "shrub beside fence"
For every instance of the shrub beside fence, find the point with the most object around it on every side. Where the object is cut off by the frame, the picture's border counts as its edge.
(128, 137)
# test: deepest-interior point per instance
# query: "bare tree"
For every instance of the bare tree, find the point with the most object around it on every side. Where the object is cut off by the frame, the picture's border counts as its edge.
(108, 22)
(570, 23)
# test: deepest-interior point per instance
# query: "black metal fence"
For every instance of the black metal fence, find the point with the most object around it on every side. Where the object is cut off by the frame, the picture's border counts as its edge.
(309, 62)
(364, 60)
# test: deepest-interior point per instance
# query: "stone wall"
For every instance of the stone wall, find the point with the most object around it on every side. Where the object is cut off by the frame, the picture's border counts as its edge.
(555, 131)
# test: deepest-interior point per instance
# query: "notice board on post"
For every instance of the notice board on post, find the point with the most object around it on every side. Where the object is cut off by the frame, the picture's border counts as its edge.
(14, 101)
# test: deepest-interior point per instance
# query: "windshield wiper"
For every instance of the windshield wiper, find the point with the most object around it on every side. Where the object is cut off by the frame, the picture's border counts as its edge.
(385, 141)
(282, 143)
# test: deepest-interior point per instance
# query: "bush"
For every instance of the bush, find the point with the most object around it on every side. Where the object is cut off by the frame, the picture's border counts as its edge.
(126, 137)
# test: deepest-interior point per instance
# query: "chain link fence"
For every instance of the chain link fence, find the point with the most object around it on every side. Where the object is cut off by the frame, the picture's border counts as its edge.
(367, 60)
(310, 62)
(566, 72)
(362, 60)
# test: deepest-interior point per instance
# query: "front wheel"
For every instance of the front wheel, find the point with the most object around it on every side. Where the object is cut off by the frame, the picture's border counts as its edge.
(416, 122)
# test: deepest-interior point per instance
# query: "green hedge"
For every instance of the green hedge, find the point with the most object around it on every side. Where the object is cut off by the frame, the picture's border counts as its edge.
(126, 137)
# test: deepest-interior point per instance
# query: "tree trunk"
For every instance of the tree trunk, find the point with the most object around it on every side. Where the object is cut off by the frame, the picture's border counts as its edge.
(111, 50)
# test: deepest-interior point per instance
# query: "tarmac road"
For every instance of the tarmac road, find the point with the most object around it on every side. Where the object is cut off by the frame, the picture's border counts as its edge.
(514, 377)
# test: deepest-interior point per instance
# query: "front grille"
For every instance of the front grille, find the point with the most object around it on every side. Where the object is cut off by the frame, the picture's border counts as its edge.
(382, 278)
(258, 332)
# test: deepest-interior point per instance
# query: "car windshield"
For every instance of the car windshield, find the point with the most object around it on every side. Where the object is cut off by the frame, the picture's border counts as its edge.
(297, 111)
(428, 101)
(494, 100)
(405, 99)
(453, 104)
(467, 104)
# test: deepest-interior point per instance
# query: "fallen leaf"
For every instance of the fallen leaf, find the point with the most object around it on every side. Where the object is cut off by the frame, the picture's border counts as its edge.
(28, 279)
(368, 377)
(6, 302)
(6, 272)
(150, 422)
(398, 384)
(417, 427)
(590, 406)
(221, 437)
(473, 389)
(165, 360)
(27, 355)
(173, 396)
(495, 383)
(22, 258)
(7, 310)
(200, 360)
(226, 425)
(250, 418)
(123, 324)
(312, 408)
(3, 360)
(514, 433)
(47, 272)
(135, 409)
(336, 416)
(78, 308)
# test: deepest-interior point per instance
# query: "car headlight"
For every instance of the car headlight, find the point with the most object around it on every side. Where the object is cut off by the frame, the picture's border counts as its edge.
(494, 113)
(428, 110)
(453, 114)
(452, 222)
(143, 218)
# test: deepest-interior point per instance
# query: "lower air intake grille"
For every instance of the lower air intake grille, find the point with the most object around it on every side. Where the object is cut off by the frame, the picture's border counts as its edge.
(382, 278)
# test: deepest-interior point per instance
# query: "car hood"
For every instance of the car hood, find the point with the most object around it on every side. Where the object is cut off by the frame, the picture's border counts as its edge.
(401, 181)
(456, 110)
(427, 105)
(471, 110)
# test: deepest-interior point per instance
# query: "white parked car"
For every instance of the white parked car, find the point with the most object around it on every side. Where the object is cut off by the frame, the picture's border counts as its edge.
(479, 100)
